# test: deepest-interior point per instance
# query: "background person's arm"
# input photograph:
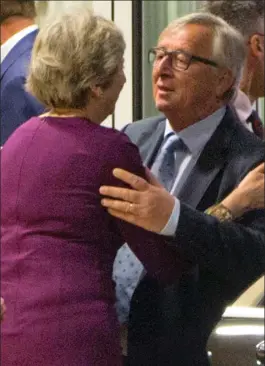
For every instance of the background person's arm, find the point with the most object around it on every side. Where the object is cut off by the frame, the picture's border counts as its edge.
(249, 195)
(17, 106)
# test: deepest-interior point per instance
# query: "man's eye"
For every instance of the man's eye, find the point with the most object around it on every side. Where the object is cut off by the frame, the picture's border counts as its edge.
(181, 58)
(159, 55)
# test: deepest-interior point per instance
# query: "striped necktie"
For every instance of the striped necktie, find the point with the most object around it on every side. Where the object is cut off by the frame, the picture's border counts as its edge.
(127, 269)
(167, 164)
(256, 124)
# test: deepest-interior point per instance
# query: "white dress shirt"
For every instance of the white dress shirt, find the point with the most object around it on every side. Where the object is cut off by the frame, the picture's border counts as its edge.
(13, 41)
(243, 108)
(195, 138)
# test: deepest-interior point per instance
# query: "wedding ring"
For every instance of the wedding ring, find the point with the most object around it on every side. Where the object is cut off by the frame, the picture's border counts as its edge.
(129, 208)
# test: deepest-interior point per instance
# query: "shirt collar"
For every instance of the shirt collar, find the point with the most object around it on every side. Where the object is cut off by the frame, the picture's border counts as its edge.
(242, 105)
(197, 135)
(13, 41)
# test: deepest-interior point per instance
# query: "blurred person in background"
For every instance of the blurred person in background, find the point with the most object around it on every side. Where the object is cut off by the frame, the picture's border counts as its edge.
(18, 33)
(247, 16)
(58, 243)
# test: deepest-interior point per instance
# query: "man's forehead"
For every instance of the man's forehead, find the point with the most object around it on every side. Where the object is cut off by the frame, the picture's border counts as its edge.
(191, 36)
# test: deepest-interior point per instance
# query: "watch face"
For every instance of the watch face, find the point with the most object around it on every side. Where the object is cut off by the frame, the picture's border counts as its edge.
(225, 214)
(220, 212)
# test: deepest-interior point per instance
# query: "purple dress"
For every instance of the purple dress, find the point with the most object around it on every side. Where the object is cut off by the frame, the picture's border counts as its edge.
(58, 243)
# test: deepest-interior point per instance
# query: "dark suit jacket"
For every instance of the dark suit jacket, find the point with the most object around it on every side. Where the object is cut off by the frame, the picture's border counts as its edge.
(171, 326)
(17, 106)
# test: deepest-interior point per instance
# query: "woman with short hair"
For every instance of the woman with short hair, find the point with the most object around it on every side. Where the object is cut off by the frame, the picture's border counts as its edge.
(58, 243)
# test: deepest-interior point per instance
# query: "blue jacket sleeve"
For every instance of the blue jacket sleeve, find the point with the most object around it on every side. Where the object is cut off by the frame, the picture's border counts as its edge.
(17, 106)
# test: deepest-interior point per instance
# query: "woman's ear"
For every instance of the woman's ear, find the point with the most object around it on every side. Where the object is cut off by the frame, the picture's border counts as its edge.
(96, 91)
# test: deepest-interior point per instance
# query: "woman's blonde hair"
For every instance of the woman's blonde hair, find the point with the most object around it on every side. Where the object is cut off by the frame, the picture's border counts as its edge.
(72, 54)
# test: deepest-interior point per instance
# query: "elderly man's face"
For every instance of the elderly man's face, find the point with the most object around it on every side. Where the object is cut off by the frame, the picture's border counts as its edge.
(194, 88)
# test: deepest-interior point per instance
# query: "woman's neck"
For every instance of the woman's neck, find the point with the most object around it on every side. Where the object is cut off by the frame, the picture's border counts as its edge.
(90, 115)
(66, 112)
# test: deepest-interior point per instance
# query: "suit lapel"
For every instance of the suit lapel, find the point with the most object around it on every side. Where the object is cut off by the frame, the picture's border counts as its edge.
(21, 47)
(212, 159)
(149, 149)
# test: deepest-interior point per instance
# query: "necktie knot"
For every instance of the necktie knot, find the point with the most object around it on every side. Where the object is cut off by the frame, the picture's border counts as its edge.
(173, 143)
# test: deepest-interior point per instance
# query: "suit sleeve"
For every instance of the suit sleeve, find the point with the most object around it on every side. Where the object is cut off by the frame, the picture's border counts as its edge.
(17, 106)
(159, 259)
(233, 251)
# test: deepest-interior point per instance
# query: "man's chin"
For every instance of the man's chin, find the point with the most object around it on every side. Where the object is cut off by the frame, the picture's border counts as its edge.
(163, 106)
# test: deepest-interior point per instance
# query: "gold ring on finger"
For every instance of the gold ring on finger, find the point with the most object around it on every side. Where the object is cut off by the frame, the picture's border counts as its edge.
(129, 208)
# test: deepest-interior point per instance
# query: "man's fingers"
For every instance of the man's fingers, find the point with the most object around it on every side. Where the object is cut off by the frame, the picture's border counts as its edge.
(121, 193)
(121, 206)
(133, 180)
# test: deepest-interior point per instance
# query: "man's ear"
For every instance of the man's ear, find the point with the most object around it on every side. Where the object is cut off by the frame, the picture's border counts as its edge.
(225, 84)
(256, 45)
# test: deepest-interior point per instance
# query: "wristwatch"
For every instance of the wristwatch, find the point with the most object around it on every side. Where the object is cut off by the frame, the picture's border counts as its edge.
(221, 212)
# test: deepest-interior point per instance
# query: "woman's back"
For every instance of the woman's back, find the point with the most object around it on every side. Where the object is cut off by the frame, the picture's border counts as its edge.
(58, 243)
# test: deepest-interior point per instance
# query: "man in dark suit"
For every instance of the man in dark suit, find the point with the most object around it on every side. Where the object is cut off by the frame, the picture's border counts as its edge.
(247, 16)
(200, 152)
(18, 33)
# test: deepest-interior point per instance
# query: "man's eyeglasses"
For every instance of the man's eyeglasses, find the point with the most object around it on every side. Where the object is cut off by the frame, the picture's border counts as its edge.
(180, 60)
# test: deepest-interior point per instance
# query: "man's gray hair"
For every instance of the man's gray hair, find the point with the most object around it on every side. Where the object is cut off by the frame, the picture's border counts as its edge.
(229, 49)
(247, 16)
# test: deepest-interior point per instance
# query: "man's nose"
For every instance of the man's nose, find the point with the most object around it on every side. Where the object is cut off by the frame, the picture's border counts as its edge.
(165, 64)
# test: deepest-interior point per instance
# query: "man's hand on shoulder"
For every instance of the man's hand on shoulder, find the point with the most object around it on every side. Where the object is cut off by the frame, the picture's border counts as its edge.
(147, 204)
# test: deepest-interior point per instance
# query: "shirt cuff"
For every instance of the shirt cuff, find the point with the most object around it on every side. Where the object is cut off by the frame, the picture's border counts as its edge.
(172, 224)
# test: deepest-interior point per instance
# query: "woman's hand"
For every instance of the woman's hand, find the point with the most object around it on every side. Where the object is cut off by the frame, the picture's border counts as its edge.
(249, 194)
